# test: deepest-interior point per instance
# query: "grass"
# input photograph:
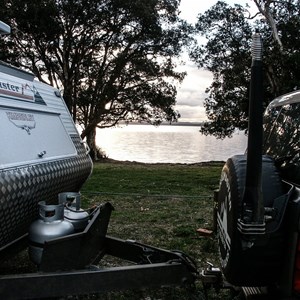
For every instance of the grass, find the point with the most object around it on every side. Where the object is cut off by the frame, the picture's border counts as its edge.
(161, 205)
(151, 179)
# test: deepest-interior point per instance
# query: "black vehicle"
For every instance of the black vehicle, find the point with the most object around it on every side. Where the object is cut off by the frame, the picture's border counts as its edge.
(259, 200)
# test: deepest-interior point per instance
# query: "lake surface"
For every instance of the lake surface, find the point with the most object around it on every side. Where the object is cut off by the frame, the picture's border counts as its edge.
(167, 144)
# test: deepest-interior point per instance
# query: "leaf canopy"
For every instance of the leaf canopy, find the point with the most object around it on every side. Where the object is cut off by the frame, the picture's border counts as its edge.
(114, 60)
(228, 31)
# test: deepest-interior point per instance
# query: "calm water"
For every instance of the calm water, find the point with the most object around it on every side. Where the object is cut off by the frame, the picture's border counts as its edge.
(166, 144)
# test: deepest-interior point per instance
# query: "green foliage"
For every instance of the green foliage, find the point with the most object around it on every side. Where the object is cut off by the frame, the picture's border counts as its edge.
(226, 54)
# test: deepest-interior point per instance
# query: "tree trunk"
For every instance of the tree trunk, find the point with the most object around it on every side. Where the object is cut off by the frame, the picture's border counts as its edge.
(68, 100)
(91, 141)
(264, 8)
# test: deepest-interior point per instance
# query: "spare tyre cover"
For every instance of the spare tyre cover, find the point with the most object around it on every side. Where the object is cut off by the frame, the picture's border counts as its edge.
(246, 262)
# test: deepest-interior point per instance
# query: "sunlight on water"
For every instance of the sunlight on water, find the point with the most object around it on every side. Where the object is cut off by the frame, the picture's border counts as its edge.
(167, 144)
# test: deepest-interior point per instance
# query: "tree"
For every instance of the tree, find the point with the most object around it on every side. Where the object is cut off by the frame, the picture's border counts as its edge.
(228, 31)
(114, 59)
(264, 7)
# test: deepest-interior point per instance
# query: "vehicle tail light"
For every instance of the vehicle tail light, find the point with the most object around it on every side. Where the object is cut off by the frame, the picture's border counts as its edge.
(296, 283)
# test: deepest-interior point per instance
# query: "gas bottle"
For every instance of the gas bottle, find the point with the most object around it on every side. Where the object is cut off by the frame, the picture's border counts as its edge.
(72, 211)
(50, 225)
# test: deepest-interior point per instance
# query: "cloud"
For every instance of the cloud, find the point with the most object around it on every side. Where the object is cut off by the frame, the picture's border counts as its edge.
(190, 9)
(191, 93)
(191, 114)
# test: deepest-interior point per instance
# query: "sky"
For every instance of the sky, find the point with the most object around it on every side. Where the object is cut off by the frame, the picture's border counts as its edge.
(191, 92)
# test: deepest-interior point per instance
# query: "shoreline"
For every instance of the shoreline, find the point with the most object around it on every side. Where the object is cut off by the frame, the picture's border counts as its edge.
(128, 162)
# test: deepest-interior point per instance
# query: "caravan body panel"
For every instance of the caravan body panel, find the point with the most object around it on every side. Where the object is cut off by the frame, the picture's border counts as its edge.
(41, 153)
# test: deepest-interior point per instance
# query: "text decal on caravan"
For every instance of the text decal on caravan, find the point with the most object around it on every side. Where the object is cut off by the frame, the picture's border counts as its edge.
(20, 91)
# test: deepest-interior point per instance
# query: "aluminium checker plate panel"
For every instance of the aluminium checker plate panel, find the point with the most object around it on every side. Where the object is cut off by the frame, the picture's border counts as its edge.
(22, 187)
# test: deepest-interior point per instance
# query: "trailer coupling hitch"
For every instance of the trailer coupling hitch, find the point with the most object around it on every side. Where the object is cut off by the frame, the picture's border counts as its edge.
(188, 261)
(211, 276)
(142, 254)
